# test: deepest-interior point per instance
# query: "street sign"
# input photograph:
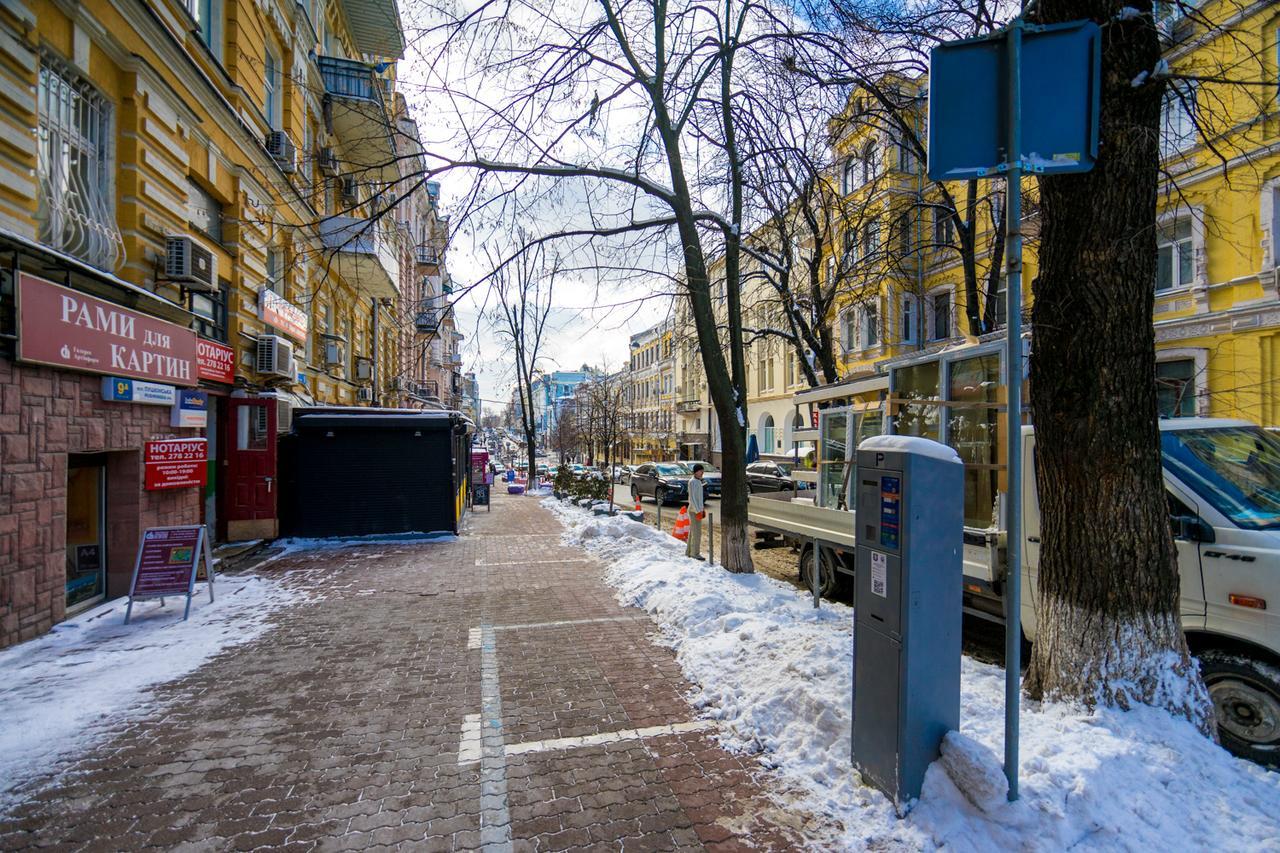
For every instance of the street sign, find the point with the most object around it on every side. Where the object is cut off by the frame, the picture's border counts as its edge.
(118, 389)
(166, 565)
(1060, 69)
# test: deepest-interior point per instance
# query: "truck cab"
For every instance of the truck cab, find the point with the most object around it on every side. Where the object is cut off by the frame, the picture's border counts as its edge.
(1222, 484)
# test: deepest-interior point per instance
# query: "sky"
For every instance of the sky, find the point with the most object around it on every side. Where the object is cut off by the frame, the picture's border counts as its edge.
(594, 315)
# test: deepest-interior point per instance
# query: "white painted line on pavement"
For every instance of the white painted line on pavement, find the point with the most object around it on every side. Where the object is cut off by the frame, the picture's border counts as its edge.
(640, 618)
(495, 816)
(473, 638)
(532, 562)
(469, 747)
(607, 737)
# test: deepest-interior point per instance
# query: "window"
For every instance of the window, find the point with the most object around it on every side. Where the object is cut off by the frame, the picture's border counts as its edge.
(904, 234)
(907, 319)
(766, 435)
(208, 15)
(1176, 388)
(204, 211)
(272, 100)
(940, 316)
(1177, 119)
(906, 155)
(847, 175)
(1175, 256)
(944, 228)
(275, 270)
(210, 309)
(849, 330)
(870, 162)
(870, 326)
(850, 246)
(76, 210)
(1002, 302)
(870, 238)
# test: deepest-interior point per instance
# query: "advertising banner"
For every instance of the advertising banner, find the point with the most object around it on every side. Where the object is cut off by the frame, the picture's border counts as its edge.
(176, 463)
(191, 410)
(167, 563)
(215, 362)
(283, 314)
(65, 328)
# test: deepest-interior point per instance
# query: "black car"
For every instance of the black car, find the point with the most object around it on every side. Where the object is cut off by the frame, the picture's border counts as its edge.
(710, 476)
(665, 482)
(770, 477)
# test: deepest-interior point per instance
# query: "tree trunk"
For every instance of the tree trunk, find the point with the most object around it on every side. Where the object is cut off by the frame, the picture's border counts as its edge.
(1107, 600)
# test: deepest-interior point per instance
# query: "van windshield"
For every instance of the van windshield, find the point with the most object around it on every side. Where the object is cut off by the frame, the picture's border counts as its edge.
(1237, 469)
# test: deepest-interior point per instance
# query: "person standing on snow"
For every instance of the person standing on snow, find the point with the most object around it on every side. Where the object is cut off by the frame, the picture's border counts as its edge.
(697, 512)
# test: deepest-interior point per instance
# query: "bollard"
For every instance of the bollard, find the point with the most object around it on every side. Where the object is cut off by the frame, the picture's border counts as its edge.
(711, 531)
(659, 504)
(817, 570)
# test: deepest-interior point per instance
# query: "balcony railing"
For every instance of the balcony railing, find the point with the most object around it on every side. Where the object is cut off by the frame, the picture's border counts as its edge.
(427, 390)
(689, 404)
(456, 359)
(426, 254)
(348, 78)
(427, 320)
(364, 252)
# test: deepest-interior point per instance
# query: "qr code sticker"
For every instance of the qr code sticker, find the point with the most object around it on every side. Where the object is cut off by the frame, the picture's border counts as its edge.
(879, 574)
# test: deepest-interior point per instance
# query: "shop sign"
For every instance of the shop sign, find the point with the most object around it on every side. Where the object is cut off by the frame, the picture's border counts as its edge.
(117, 389)
(283, 314)
(191, 410)
(167, 563)
(176, 463)
(65, 328)
(215, 362)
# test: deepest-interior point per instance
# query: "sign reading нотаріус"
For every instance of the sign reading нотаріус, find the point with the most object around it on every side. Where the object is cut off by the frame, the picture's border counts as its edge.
(65, 328)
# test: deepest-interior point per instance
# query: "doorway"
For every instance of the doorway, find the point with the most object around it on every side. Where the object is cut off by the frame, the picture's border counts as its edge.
(86, 546)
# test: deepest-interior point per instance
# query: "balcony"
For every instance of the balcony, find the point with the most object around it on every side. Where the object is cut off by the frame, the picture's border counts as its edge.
(355, 108)
(456, 359)
(426, 321)
(363, 253)
(688, 405)
(425, 255)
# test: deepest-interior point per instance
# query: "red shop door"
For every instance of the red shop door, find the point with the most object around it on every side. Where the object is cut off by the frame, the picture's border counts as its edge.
(250, 467)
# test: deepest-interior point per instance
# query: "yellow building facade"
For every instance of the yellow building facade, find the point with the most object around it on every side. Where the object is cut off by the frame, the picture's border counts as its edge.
(651, 395)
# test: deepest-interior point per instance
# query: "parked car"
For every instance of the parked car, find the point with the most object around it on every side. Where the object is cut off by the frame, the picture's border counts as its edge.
(771, 477)
(665, 482)
(710, 476)
(622, 473)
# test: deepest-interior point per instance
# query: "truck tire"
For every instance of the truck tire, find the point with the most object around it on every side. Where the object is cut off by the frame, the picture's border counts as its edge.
(1246, 699)
(828, 579)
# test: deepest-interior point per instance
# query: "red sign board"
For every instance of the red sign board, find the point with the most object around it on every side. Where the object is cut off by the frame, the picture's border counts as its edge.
(283, 314)
(176, 463)
(215, 362)
(65, 328)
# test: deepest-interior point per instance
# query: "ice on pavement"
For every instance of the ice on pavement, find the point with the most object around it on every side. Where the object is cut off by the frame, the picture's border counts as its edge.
(61, 693)
(778, 676)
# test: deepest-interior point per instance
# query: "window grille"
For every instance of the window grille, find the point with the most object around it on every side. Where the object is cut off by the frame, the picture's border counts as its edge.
(75, 212)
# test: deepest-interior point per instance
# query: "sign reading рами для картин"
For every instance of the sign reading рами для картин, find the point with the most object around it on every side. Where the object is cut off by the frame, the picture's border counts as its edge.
(65, 328)
(167, 565)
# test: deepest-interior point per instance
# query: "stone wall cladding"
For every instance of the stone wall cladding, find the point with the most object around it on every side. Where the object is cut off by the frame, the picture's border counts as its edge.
(44, 415)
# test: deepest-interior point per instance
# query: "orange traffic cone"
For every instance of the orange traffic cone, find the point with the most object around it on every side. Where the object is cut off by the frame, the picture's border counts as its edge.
(681, 530)
(638, 507)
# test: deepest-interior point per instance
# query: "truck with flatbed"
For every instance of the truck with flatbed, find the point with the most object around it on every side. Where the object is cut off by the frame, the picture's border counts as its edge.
(1222, 482)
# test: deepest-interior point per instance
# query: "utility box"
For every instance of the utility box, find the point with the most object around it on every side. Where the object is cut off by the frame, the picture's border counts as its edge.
(906, 661)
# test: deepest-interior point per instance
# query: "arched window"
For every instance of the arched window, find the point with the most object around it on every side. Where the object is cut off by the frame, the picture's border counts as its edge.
(847, 177)
(767, 442)
(870, 162)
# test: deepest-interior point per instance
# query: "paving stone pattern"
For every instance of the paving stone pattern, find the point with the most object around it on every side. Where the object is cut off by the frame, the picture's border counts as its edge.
(340, 728)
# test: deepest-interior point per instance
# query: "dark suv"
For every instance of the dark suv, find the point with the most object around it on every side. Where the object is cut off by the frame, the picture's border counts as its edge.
(665, 482)
(770, 477)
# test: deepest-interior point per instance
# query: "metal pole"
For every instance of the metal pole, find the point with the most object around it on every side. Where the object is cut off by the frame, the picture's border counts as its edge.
(711, 531)
(813, 574)
(1013, 413)
(659, 503)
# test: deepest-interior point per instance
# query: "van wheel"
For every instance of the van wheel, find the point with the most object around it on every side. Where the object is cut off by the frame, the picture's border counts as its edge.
(1246, 699)
(827, 577)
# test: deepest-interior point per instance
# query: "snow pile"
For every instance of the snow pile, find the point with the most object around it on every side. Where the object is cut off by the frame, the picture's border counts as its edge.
(60, 693)
(778, 676)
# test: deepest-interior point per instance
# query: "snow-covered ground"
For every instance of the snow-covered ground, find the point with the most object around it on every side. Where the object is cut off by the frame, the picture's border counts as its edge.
(778, 676)
(61, 693)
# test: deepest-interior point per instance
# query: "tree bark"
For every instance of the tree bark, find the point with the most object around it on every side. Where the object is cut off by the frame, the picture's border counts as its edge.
(1109, 632)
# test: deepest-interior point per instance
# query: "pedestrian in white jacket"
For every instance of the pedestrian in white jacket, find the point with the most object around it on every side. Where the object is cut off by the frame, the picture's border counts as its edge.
(697, 512)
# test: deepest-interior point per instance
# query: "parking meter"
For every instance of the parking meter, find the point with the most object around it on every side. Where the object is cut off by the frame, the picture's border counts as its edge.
(910, 542)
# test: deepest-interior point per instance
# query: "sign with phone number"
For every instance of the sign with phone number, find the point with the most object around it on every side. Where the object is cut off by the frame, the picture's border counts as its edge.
(176, 463)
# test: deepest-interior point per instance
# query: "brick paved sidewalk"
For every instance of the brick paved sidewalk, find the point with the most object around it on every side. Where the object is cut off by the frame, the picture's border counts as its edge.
(487, 692)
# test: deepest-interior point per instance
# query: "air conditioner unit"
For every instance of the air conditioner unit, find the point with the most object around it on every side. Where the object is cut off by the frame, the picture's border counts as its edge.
(332, 353)
(282, 150)
(327, 160)
(398, 384)
(284, 415)
(187, 261)
(274, 356)
(350, 190)
(364, 395)
(364, 369)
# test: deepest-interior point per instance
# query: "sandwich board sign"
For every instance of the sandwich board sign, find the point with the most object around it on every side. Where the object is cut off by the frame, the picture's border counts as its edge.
(169, 564)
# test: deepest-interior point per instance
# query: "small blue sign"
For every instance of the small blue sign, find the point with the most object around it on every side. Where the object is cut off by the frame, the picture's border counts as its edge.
(117, 389)
(191, 409)
(1061, 71)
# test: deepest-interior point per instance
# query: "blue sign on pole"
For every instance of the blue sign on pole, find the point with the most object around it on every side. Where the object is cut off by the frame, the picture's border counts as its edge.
(1061, 68)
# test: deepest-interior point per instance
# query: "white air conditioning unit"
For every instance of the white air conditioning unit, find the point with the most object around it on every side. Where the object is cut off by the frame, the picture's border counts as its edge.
(364, 369)
(327, 160)
(187, 261)
(332, 354)
(364, 395)
(350, 190)
(284, 415)
(274, 356)
(283, 151)
(398, 384)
